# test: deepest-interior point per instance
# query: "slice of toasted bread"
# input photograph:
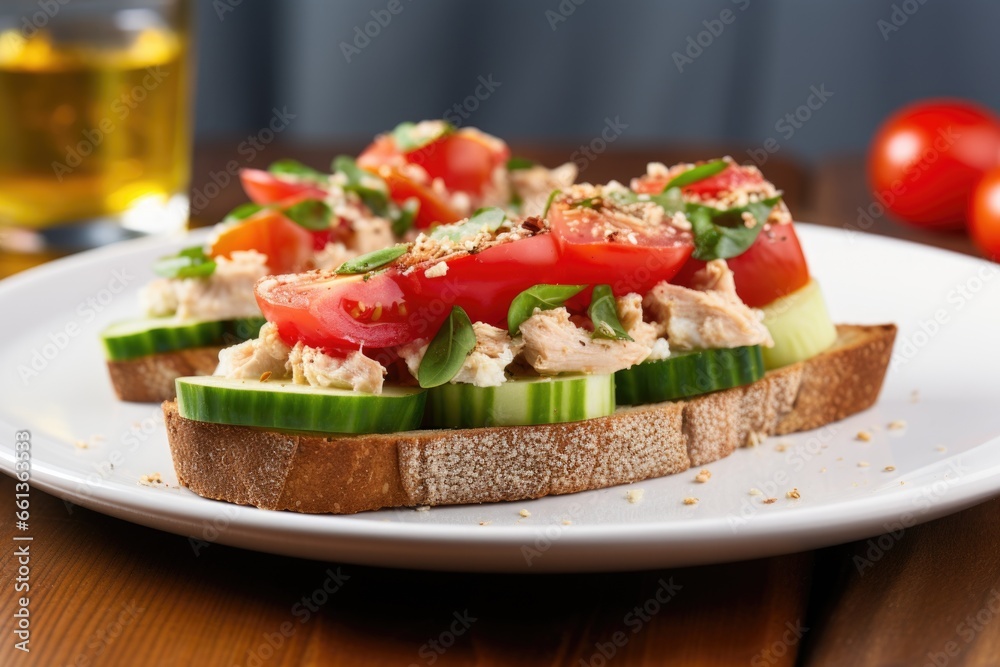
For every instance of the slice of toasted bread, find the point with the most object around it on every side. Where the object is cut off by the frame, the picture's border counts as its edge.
(346, 474)
(150, 379)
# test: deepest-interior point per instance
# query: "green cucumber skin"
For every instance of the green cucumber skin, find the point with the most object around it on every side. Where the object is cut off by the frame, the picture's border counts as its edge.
(521, 403)
(168, 336)
(688, 374)
(222, 401)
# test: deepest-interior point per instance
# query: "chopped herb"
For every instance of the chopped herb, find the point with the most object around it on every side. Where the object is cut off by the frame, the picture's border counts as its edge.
(485, 218)
(543, 297)
(548, 202)
(242, 212)
(312, 214)
(402, 218)
(603, 313)
(516, 163)
(298, 170)
(448, 350)
(373, 260)
(724, 234)
(695, 174)
(188, 263)
(408, 139)
(373, 190)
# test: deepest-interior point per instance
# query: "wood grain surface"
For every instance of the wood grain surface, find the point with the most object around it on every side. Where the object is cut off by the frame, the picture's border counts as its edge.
(106, 592)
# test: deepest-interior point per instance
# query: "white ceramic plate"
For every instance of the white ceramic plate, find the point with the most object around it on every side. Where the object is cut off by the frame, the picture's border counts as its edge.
(53, 383)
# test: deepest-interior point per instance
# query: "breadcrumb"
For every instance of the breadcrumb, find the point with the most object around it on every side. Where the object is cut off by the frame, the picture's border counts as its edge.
(81, 444)
(793, 494)
(888, 468)
(941, 448)
(690, 500)
(768, 501)
(485, 523)
(151, 480)
(897, 425)
(822, 469)
(265, 375)
(756, 492)
(525, 513)
(567, 522)
(703, 476)
(864, 436)
(863, 464)
(634, 496)
(780, 447)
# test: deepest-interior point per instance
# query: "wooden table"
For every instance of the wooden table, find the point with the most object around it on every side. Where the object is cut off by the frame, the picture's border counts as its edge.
(106, 592)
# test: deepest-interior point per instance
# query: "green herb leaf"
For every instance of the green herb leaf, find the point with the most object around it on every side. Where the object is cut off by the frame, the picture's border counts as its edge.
(312, 214)
(695, 174)
(543, 297)
(548, 202)
(242, 212)
(372, 189)
(403, 216)
(516, 163)
(188, 263)
(724, 234)
(447, 351)
(670, 200)
(603, 313)
(488, 218)
(373, 260)
(298, 170)
(407, 138)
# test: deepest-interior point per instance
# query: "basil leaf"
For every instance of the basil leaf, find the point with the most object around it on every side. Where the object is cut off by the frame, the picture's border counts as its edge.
(516, 163)
(548, 202)
(242, 212)
(402, 217)
(603, 313)
(373, 260)
(298, 170)
(447, 351)
(188, 263)
(408, 139)
(312, 214)
(543, 297)
(372, 189)
(670, 200)
(490, 218)
(724, 234)
(695, 174)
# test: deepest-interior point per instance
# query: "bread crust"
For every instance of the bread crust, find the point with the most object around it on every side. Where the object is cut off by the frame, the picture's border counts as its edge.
(347, 474)
(150, 379)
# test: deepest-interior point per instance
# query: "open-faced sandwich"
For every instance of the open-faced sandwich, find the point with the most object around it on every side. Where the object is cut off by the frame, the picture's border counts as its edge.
(300, 219)
(621, 333)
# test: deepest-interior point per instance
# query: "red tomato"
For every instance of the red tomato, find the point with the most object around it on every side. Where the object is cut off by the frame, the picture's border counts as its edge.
(288, 246)
(263, 187)
(771, 268)
(984, 215)
(464, 160)
(585, 251)
(433, 209)
(730, 178)
(925, 160)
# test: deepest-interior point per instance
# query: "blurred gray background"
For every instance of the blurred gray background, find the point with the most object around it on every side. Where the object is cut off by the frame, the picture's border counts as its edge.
(559, 69)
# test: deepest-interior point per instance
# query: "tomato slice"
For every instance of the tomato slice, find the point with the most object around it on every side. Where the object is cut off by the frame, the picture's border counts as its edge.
(330, 311)
(433, 209)
(464, 160)
(599, 249)
(288, 246)
(731, 178)
(263, 187)
(771, 268)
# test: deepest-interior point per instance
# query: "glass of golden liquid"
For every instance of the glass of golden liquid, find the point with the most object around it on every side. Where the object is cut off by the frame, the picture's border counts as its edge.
(95, 124)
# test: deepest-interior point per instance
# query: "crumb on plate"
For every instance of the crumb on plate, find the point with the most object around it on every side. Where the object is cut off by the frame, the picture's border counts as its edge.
(703, 476)
(525, 513)
(634, 496)
(793, 494)
(864, 436)
(690, 500)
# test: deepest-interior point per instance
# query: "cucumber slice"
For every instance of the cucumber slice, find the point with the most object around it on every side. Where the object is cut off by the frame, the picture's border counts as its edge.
(139, 338)
(800, 326)
(688, 374)
(522, 401)
(283, 405)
